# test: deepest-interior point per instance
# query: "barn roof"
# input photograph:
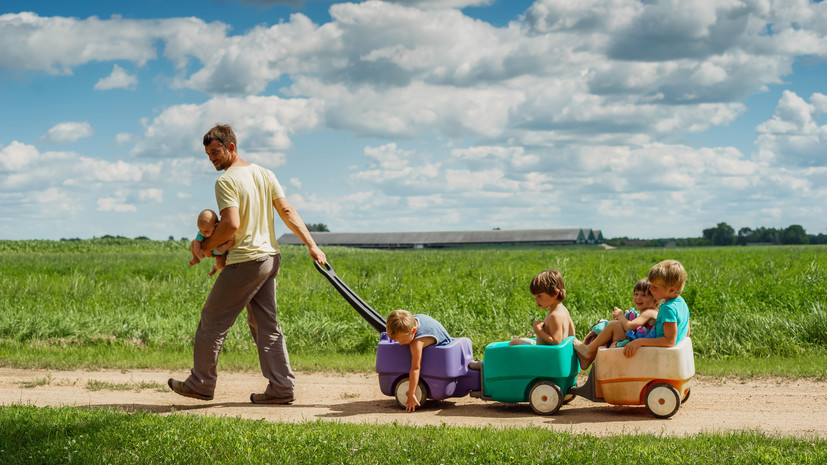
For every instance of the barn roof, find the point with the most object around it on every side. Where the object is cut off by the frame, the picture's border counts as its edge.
(446, 238)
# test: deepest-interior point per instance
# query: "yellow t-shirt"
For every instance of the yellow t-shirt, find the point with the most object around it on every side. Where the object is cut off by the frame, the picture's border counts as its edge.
(252, 189)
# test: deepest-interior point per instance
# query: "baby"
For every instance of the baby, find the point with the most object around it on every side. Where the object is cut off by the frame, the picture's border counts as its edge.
(207, 221)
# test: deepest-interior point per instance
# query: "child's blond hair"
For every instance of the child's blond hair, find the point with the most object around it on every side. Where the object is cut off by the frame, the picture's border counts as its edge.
(550, 282)
(400, 322)
(670, 273)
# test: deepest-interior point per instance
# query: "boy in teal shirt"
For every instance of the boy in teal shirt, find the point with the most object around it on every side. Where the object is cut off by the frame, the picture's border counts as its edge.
(667, 279)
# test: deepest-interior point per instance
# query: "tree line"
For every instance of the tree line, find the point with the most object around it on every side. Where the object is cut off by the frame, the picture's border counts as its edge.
(724, 234)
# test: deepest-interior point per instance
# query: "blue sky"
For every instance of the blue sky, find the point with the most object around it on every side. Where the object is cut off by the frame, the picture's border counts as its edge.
(642, 119)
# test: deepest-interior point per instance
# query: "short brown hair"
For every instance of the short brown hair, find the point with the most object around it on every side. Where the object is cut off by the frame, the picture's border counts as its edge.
(643, 286)
(550, 282)
(222, 133)
(670, 273)
(400, 322)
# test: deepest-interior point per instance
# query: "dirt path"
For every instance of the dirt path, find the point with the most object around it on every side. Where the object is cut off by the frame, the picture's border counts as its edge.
(773, 406)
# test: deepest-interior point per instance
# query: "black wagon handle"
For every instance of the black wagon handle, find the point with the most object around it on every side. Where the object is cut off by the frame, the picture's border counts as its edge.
(363, 309)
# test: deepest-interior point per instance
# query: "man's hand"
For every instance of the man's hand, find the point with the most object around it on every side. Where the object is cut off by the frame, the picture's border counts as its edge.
(317, 254)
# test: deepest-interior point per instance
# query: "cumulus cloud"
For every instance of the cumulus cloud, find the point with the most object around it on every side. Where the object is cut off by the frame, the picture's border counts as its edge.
(793, 134)
(17, 156)
(263, 126)
(68, 131)
(581, 106)
(119, 79)
(113, 204)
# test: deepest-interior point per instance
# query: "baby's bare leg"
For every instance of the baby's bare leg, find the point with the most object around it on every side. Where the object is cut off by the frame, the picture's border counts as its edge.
(220, 263)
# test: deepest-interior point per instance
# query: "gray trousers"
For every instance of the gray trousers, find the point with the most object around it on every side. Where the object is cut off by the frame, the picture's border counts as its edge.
(253, 285)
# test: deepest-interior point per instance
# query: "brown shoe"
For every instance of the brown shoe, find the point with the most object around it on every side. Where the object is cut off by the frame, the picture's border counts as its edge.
(183, 390)
(268, 399)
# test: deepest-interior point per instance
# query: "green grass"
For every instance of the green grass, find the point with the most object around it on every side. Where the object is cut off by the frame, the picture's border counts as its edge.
(122, 303)
(100, 436)
(116, 303)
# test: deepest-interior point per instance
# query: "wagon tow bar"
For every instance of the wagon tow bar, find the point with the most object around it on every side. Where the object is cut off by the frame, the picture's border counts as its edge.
(364, 310)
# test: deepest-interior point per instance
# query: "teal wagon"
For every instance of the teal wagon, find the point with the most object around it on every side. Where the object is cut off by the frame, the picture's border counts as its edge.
(538, 374)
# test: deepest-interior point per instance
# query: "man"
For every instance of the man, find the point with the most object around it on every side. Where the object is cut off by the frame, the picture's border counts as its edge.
(246, 194)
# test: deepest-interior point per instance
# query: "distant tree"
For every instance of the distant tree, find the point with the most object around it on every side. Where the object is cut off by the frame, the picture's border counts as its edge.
(743, 236)
(723, 234)
(141, 238)
(171, 238)
(794, 234)
(821, 238)
(318, 227)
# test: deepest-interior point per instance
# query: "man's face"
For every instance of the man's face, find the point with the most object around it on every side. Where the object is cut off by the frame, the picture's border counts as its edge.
(219, 155)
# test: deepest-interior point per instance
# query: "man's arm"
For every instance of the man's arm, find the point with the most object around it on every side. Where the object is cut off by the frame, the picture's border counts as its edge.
(224, 230)
(294, 222)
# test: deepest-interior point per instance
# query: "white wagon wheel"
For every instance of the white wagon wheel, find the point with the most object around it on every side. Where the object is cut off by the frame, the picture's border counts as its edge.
(402, 392)
(545, 398)
(662, 400)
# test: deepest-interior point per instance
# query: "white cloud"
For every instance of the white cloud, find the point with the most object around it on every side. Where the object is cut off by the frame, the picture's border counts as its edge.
(119, 79)
(577, 113)
(17, 155)
(793, 134)
(156, 195)
(263, 125)
(69, 131)
(123, 138)
(387, 157)
(110, 204)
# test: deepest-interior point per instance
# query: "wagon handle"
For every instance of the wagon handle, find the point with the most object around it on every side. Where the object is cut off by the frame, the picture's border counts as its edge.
(365, 311)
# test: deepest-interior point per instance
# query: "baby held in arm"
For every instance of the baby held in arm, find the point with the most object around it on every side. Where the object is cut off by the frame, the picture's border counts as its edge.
(207, 222)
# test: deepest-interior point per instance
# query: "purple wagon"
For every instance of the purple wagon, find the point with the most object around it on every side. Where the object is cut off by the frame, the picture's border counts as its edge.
(444, 373)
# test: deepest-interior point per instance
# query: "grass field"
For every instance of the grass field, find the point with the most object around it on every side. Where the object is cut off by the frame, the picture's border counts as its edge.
(135, 304)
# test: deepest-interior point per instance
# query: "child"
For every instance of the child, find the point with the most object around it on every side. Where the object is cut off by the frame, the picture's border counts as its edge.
(666, 281)
(549, 291)
(419, 331)
(621, 329)
(207, 221)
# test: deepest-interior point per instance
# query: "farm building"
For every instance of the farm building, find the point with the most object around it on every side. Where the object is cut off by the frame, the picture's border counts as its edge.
(421, 240)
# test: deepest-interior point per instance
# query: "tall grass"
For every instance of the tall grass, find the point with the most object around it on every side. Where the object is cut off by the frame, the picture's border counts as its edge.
(141, 297)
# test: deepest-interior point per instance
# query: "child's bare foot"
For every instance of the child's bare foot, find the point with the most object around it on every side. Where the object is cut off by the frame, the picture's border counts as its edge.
(583, 355)
(195, 261)
(215, 269)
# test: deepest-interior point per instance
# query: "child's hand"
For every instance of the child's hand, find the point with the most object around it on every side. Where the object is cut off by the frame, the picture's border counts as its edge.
(616, 313)
(412, 403)
(631, 348)
(195, 248)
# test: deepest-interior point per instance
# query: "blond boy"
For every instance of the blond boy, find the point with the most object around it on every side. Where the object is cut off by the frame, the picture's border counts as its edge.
(417, 331)
(666, 279)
